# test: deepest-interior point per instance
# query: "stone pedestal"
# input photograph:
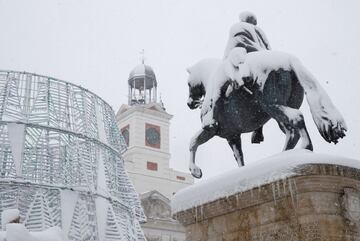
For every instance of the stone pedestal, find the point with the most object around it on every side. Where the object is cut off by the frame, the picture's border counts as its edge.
(316, 202)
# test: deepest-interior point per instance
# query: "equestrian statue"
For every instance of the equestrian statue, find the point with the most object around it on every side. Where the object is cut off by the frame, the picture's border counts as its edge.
(251, 85)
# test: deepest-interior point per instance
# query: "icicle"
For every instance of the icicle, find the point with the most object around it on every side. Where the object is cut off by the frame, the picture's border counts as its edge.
(291, 194)
(296, 190)
(196, 214)
(284, 185)
(274, 192)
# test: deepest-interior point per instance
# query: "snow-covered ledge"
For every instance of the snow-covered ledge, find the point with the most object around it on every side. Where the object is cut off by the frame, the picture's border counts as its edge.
(295, 195)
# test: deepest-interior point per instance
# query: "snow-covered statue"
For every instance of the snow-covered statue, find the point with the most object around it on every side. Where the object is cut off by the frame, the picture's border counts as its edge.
(248, 35)
(245, 90)
(16, 231)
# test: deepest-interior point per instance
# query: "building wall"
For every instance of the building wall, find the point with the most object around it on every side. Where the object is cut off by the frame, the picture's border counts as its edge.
(144, 183)
(164, 231)
(140, 159)
(321, 203)
(136, 121)
(160, 225)
(149, 171)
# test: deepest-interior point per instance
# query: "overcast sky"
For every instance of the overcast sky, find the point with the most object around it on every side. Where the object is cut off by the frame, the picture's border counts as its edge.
(97, 43)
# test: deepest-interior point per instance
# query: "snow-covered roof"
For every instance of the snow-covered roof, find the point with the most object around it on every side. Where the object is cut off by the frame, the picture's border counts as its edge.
(255, 174)
(141, 71)
(156, 206)
(155, 195)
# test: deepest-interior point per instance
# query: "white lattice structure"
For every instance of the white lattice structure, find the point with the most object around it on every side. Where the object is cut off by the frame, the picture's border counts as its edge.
(60, 160)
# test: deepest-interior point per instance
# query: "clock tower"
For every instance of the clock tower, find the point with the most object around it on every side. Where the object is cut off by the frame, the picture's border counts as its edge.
(145, 124)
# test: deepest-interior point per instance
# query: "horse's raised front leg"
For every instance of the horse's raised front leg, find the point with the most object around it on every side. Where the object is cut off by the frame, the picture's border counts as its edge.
(257, 136)
(235, 144)
(200, 138)
(293, 120)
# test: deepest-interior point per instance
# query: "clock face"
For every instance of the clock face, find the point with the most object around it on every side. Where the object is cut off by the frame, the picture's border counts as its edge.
(152, 136)
(126, 134)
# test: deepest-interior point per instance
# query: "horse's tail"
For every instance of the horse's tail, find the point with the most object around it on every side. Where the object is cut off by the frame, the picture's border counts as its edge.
(327, 118)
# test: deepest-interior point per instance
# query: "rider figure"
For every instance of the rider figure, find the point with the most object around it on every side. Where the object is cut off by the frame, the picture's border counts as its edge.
(248, 36)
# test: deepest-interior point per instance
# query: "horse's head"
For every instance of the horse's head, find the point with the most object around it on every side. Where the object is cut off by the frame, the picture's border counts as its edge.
(196, 91)
(199, 74)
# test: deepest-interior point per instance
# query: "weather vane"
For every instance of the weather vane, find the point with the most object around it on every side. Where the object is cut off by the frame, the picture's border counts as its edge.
(142, 52)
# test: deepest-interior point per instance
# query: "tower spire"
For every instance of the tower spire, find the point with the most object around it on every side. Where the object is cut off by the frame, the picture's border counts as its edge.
(142, 52)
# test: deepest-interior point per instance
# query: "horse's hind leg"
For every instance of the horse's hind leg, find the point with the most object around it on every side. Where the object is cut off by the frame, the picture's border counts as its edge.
(235, 144)
(200, 138)
(292, 136)
(257, 136)
(292, 119)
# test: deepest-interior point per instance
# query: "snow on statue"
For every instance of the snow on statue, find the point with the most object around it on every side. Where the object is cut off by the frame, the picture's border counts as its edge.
(243, 91)
(248, 35)
(230, 69)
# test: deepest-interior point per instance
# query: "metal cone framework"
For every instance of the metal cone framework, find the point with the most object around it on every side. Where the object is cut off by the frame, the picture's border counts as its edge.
(61, 160)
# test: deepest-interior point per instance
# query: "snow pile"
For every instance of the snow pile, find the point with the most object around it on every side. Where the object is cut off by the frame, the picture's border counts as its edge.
(9, 216)
(277, 167)
(53, 234)
(18, 232)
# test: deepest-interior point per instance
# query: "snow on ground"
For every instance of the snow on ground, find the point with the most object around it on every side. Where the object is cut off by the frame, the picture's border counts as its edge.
(18, 232)
(255, 174)
(9, 216)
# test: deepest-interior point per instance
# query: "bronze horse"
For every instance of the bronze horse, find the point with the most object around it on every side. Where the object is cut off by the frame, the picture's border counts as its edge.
(270, 91)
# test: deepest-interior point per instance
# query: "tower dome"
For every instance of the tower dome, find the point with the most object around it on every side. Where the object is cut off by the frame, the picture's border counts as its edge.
(142, 85)
(142, 71)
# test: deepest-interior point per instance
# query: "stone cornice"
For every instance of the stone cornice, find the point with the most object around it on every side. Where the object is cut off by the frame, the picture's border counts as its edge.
(308, 178)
